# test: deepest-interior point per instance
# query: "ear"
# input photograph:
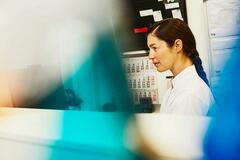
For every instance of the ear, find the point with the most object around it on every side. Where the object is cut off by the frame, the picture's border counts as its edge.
(178, 45)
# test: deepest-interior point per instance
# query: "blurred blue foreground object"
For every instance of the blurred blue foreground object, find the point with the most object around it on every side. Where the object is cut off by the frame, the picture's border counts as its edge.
(222, 140)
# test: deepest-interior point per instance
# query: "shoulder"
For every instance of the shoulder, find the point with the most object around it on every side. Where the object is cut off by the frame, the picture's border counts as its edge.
(196, 86)
(199, 92)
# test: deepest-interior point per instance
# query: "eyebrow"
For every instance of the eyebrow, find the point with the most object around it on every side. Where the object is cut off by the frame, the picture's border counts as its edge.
(151, 45)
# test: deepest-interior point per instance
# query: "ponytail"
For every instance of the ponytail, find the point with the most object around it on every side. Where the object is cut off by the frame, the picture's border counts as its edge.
(198, 65)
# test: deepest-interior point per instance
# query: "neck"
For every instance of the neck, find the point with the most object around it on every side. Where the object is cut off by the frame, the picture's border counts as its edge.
(181, 63)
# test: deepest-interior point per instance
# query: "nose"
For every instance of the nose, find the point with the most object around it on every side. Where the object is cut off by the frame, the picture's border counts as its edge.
(151, 54)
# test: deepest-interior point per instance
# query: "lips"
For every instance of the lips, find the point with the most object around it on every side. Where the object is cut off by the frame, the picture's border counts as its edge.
(155, 64)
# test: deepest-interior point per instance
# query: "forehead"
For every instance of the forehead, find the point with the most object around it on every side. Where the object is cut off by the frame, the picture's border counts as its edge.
(153, 40)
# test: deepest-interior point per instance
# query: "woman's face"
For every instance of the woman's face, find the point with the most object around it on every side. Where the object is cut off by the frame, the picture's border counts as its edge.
(162, 56)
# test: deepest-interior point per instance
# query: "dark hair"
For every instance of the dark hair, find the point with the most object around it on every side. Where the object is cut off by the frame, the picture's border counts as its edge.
(171, 29)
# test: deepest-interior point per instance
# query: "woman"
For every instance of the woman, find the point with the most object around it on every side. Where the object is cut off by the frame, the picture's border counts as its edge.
(172, 47)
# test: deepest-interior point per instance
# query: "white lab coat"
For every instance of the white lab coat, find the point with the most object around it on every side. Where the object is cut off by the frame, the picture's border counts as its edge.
(188, 95)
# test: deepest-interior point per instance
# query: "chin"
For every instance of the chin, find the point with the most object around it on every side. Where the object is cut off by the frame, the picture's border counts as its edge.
(159, 69)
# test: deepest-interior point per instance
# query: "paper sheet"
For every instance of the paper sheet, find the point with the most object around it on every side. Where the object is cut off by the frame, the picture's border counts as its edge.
(224, 19)
(177, 14)
(157, 16)
(225, 42)
(172, 5)
(147, 12)
(220, 58)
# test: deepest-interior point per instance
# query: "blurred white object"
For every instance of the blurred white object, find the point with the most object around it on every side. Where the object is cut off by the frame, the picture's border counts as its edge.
(168, 136)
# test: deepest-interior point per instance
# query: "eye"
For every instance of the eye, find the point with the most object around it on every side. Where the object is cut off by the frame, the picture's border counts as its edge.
(154, 48)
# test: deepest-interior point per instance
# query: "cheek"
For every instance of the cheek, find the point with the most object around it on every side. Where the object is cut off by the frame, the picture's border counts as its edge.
(171, 59)
(166, 58)
(163, 55)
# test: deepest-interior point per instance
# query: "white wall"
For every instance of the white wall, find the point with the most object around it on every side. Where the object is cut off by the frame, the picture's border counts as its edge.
(197, 20)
